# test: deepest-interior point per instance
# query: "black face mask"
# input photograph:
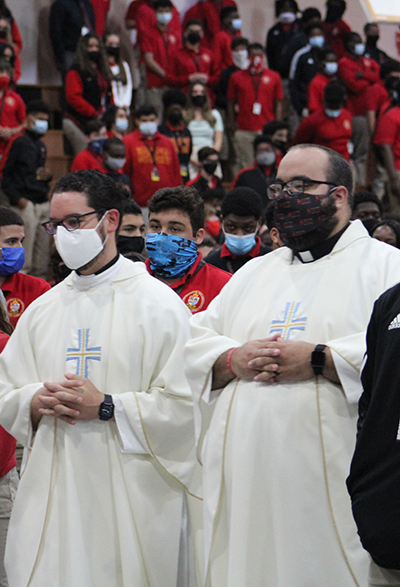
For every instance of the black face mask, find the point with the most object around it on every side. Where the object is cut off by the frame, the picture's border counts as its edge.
(199, 100)
(280, 145)
(114, 52)
(194, 38)
(94, 56)
(210, 166)
(130, 244)
(175, 117)
(372, 40)
(333, 14)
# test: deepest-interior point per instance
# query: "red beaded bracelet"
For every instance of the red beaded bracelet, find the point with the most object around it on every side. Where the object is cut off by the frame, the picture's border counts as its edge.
(229, 361)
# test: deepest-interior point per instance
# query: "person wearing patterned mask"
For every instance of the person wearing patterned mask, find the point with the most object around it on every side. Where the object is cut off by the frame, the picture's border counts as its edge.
(241, 219)
(26, 184)
(176, 228)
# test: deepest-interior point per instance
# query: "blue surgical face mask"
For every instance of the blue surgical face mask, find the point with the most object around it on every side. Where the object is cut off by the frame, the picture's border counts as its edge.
(170, 256)
(122, 124)
(331, 67)
(164, 17)
(333, 113)
(359, 48)
(148, 128)
(97, 145)
(12, 260)
(237, 24)
(240, 245)
(40, 127)
(317, 41)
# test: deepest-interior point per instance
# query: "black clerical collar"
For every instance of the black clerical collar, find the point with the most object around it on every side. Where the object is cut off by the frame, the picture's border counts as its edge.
(320, 250)
(107, 266)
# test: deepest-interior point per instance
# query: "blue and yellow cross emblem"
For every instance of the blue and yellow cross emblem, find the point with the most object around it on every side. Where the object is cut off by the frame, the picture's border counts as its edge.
(83, 353)
(289, 322)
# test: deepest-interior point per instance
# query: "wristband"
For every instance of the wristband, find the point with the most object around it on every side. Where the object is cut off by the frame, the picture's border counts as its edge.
(229, 361)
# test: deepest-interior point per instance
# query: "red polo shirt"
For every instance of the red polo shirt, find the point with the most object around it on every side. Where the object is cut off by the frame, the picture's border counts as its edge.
(199, 287)
(245, 90)
(388, 132)
(221, 48)
(320, 129)
(146, 20)
(13, 113)
(88, 159)
(20, 290)
(316, 92)
(208, 13)
(184, 62)
(358, 88)
(143, 157)
(162, 45)
(377, 97)
(335, 34)
(101, 8)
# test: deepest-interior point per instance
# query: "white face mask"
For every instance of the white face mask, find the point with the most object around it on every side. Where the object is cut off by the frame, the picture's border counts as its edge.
(122, 124)
(114, 164)
(148, 129)
(359, 48)
(287, 17)
(266, 158)
(241, 59)
(237, 24)
(79, 247)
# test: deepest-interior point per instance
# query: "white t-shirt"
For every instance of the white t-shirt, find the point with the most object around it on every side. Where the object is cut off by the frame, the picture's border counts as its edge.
(203, 132)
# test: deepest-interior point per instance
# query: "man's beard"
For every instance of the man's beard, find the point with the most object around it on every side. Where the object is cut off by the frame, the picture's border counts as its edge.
(317, 235)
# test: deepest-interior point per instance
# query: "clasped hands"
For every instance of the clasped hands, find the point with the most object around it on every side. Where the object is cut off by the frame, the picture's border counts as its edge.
(273, 360)
(74, 399)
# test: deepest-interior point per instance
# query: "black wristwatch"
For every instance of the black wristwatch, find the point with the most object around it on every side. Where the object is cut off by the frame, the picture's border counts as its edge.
(318, 359)
(106, 410)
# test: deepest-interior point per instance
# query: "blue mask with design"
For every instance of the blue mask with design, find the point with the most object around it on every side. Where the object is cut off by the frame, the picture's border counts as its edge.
(97, 145)
(12, 260)
(240, 245)
(170, 256)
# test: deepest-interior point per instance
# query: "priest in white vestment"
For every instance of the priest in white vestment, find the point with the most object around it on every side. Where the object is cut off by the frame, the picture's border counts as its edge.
(276, 418)
(102, 500)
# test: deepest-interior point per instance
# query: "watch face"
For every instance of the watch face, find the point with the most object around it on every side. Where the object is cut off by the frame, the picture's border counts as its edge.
(318, 358)
(107, 411)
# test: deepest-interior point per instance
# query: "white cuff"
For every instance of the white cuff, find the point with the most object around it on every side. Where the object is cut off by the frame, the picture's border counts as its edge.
(128, 439)
(349, 378)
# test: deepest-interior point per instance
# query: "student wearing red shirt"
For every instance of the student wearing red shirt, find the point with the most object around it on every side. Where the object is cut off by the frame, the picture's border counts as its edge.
(192, 62)
(176, 228)
(231, 24)
(330, 127)
(256, 95)
(387, 138)
(206, 179)
(100, 8)
(87, 89)
(90, 158)
(141, 16)
(116, 121)
(378, 98)
(335, 28)
(359, 74)
(208, 12)
(151, 158)
(12, 109)
(158, 46)
(328, 67)
(19, 289)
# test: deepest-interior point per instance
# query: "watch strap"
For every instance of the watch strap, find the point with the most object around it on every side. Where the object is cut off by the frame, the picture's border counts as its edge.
(318, 359)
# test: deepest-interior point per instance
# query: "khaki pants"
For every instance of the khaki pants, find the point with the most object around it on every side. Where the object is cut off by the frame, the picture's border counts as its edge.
(360, 140)
(76, 137)
(154, 98)
(243, 142)
(8, 490)
(37, 241)
(379, 576)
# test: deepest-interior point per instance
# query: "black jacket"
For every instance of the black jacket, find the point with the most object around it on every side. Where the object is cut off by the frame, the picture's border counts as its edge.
(65, 25)
(304, 66)
(374, 481)
(255, 178)
(277, 42)
(26, 156)
(184, 144)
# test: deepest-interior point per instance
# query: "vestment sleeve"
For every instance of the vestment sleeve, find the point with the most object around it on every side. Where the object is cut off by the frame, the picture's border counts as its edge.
(348, 353)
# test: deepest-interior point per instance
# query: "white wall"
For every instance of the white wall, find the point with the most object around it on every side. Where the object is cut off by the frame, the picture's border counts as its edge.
(257, 16)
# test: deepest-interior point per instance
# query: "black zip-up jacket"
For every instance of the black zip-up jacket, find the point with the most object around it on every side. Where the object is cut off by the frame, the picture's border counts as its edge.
(374, 481)
(26, 156)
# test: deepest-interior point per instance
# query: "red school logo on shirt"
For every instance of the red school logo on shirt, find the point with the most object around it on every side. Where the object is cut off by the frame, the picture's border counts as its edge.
(10, 101)
(15, 307)
(194, 300)
(265, 79)
(346, 124)
(206, 57)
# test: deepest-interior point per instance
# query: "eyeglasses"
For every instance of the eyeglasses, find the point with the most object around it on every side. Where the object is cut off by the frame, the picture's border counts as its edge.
(71, 223)
(295, 187)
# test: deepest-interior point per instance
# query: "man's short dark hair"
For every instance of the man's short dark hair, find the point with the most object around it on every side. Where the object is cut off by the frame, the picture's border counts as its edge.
(365, 196)
(338, 171)
(311, 14)
(334, 93)
(255, 46)
(351, 37)
(280, 6)
(226, 11)
(242, 201)
(182, 198)
(112, 142)
(193, 21)
(36, 106)
(213, 194)
(145, 110)
(8, 217)
(101, 192)
(162, 4)
(237, 41)
(272, 126)
(261, 139)
(368, 25)
(205, 152)
(388, 67)
(174, 96)
(93, 126)
(311, 26)
(130, 207)
(323, 55)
